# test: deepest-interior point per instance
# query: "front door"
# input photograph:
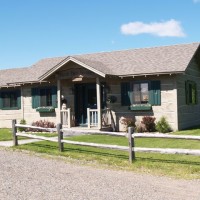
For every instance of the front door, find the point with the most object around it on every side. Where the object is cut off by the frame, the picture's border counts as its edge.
(85, 97)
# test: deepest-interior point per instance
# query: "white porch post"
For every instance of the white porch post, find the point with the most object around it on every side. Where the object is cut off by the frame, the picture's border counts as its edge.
(58, 99)
(98, 88)
(88, 116)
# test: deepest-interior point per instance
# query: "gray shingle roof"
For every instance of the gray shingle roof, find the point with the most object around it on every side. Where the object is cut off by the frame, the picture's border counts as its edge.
(28, 74)
(13, 75)
(142, 61)
(154, 60)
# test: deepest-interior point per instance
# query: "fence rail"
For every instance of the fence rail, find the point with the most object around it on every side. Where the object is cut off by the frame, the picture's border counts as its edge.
(36, 137)
(36, 127)
(131, 137)
(166, 136)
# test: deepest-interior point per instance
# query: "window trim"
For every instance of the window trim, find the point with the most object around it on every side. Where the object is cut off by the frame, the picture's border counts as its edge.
(154, 88)
(45, 95)
(140, 82)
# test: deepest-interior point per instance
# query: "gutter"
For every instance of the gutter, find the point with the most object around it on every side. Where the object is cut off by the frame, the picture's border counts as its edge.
(151, 74)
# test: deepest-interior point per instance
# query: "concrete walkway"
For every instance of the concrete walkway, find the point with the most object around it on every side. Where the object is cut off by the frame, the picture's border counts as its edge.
(10, 143)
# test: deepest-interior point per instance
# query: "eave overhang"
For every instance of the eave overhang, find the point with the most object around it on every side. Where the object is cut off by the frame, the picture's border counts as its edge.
(151, 74)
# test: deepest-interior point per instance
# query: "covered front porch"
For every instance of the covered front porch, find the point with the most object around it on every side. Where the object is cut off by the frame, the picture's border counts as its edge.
(81, 98)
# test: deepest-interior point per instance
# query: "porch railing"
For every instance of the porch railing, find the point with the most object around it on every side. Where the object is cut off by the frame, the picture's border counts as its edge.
(66, 117)
(92, 117)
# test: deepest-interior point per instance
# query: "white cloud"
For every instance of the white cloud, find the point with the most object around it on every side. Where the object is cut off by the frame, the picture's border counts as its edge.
(171, 28)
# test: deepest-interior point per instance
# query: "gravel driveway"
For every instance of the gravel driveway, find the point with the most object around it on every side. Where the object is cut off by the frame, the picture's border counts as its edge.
(25, 176)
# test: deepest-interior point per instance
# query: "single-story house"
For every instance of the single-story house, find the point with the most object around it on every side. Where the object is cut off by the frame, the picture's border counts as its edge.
(100, 89)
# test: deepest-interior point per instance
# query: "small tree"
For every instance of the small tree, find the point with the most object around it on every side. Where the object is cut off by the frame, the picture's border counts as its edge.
(149, 123)
(163, 126)
(23, 122)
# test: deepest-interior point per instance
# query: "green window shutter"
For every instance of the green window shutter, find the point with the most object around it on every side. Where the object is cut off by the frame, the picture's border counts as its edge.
(125, 94)
(191, 95)
(187, 92)
(18, 92)
(1, 101)
(54, 96)
(155, 93)
(196, 94)
(35, 92)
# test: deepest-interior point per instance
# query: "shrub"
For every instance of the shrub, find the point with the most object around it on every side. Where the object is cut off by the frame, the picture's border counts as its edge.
(44, 124)
(140, 128)
(22, 121)
(163, 126)
(128, 122)
(149, 123)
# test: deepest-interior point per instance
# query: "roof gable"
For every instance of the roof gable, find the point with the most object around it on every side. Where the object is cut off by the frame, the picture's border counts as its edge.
(65, 61)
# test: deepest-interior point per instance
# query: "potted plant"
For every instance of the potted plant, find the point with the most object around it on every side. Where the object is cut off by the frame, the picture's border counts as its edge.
(111, 99)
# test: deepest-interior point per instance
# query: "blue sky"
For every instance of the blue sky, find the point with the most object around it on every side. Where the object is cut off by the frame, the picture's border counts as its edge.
(35, 29)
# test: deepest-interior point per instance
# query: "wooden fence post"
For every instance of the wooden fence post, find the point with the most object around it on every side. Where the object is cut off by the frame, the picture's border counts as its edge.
(14, 131)
(60, 137)
(131, 144)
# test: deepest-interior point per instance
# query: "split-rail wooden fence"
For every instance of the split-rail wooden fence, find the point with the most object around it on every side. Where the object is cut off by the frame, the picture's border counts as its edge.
(130, 135)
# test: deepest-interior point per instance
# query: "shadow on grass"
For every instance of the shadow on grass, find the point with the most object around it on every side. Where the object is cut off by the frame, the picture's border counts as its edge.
(75, 149)
(184, 162)
(48, 148)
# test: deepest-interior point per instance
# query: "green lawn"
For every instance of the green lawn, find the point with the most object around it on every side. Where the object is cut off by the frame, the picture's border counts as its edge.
(6, 134)
(139, 142)
(191, 131)
(181, 166)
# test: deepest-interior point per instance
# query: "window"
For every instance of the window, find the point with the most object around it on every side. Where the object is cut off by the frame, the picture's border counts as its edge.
(10, 100)
(191, 92)
(143, 92)
(140, 93)
(44, 96)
